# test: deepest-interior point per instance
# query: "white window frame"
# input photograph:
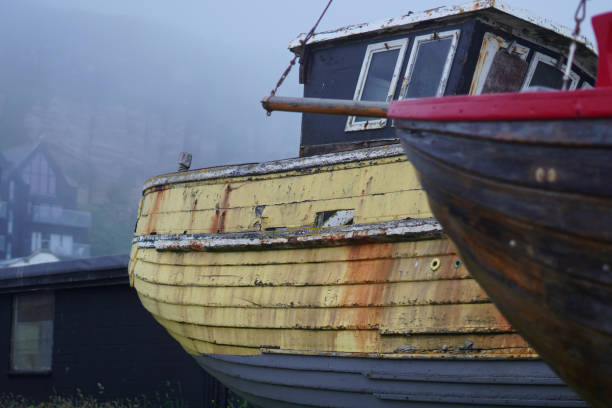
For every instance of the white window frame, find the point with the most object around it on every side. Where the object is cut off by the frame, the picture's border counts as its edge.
(402, 45)
(546, 59)
(36, 241)
(418, 40)
(492, 43)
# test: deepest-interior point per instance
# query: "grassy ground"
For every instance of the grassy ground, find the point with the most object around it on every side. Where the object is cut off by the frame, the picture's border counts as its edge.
(83, 401)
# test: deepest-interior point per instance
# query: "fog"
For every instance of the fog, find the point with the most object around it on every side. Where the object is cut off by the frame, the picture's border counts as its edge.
(118, 88)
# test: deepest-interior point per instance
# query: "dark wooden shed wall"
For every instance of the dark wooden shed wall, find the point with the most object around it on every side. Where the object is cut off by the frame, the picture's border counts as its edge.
(103, 335)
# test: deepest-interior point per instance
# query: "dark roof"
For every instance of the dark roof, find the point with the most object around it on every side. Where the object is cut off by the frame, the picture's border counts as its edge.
(94, 271)
(13, 157)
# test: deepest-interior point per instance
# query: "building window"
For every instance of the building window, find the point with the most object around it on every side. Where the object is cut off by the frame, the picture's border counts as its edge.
(61, 244)
(429, 65)
(544, 72)
(32, 336)
(377, 80)
(36, 243)
(39, 176)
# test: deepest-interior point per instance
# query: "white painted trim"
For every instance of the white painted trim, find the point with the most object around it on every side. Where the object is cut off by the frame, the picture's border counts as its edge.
(418, 40)
(546, 59)
(277, 166)
(492, 43)
(412, 18)
(385, 46)
(398, 230)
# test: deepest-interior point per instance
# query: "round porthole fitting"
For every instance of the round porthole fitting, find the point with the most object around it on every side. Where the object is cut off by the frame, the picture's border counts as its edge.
(457, 263)
(435, 264)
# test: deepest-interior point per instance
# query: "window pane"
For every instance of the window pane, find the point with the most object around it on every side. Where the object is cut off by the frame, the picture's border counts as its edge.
(379, 77)
(548, 76)
(378, 81)
(428, 67)
(32, 340)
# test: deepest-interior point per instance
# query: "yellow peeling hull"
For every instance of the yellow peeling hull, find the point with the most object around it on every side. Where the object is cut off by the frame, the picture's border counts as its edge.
(396, 297)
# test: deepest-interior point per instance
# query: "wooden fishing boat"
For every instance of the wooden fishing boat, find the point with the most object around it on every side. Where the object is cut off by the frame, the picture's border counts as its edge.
(239, 265)
(522, 183)
(324, 280)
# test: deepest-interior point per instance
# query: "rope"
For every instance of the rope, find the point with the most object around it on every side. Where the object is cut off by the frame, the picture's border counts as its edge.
(579, 16)
(294, 59)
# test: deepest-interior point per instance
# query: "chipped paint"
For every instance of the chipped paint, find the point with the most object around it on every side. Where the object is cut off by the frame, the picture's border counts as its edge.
(358, 299)
(410, 229)
(243, 170)
(411, 19)
(285, 284)
(492, 43)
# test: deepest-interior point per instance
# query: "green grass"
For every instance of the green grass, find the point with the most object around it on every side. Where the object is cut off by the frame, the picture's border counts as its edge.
(165, 399)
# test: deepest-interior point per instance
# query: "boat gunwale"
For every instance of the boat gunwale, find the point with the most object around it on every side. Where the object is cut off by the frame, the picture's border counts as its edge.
(411, 229)
(275, 166)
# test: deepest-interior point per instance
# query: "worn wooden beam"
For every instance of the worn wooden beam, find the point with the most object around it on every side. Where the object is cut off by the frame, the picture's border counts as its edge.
(326, 106)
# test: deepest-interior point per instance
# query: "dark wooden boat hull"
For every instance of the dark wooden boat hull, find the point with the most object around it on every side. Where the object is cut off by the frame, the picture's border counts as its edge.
(529, 205)
(289, 380)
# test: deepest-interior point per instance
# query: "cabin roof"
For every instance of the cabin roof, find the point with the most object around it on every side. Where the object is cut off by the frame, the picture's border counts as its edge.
(439, 13)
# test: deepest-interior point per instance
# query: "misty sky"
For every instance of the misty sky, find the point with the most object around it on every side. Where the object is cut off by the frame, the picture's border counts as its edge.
(245, 44)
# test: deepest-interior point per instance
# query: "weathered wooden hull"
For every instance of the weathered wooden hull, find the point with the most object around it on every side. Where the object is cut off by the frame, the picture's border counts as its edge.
(529, 205)
(232, 262)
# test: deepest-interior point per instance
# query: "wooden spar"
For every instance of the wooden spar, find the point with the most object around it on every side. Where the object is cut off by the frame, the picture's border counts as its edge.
(326, 106)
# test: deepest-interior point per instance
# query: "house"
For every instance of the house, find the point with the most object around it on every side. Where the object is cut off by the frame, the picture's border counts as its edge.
(78, 324)
(38, 207)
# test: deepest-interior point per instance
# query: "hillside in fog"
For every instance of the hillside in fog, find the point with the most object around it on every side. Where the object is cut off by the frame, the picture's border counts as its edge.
(117, 99)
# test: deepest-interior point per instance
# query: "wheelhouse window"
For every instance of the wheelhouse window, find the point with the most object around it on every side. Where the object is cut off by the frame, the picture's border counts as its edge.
(377, 80)
(429, 65)
(32, 335)
(545, 72)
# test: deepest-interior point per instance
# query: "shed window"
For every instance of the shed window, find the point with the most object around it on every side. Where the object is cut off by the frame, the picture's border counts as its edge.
(429, 64)
(543, 71)
(32, 336)
(377, 80)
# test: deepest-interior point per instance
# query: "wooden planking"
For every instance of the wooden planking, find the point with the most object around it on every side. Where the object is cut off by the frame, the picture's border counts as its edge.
(368, 209)
(453, 318)
(272, 318)
(352, 341)
(285, 200)
(307, 274)
(432, 319)
(285, 187)
(371, 294)
(406, 249)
